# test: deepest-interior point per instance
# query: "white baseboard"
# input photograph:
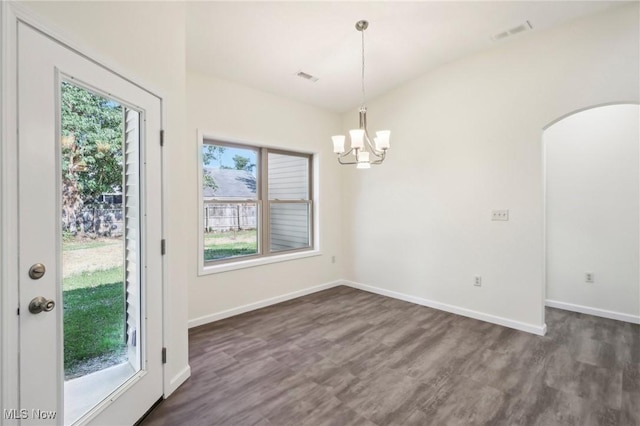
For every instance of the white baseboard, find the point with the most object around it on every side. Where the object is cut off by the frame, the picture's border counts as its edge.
(634, 319)
(177, 380)
(529, 328)
(260, 304)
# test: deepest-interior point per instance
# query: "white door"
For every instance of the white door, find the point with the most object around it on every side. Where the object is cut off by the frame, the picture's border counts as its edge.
(93, 353)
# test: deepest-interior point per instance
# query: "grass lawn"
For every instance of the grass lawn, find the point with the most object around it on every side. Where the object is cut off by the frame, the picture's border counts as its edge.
(229, 244)
(93, 279)
(86, 244)
(93, 316)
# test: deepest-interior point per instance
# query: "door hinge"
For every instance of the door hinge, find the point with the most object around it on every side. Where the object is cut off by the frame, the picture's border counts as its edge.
(164, 355)
(163, 247)
(18, 311)
(161, 137)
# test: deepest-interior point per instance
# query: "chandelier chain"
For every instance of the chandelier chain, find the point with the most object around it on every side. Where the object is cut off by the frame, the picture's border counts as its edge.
(363, 97)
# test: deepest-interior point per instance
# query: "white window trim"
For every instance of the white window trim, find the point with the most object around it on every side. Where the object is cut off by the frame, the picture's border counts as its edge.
(207, 269)
(250, 263)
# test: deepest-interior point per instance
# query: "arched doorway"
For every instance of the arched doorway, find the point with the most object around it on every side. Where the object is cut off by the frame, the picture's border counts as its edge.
(592, 212)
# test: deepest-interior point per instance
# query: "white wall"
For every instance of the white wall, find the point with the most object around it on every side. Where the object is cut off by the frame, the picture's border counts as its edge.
(466, 139)
(239, 113)
(592, 209)
(146, 41)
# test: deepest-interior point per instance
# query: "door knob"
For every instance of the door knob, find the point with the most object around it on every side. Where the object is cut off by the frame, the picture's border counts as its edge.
(39, 304)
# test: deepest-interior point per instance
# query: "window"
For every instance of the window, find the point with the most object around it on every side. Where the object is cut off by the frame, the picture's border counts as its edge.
(257, 202)
(289, 201)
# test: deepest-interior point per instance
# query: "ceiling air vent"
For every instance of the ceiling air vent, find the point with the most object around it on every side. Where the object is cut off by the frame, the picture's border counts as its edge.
(306, 76)
(526, 26)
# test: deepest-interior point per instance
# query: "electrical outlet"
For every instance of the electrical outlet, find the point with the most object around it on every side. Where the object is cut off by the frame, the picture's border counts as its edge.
(500, 215)
(588, 277)
(333, 259)
(477, 281)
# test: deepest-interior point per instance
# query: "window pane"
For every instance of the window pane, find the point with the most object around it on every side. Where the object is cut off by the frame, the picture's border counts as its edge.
(230, 230)
(289, 226)
(288, 177)
(228, 173)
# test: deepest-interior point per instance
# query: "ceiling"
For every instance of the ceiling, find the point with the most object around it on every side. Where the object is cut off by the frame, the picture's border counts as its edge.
(264, 44)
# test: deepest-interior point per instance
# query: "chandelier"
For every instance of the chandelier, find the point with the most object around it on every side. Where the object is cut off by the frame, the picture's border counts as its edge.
(363, 153)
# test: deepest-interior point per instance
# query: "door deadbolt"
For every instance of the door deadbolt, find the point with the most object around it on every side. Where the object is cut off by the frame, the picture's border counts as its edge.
(41, 304)
(37, 271)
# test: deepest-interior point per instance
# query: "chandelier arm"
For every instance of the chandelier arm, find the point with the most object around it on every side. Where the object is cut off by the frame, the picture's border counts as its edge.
(367, 138)
(345, 154)
(378, 162)
(345, 162)
(377, 153)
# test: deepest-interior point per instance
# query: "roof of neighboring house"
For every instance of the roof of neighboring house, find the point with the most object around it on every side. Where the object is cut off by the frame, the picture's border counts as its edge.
(231, 183)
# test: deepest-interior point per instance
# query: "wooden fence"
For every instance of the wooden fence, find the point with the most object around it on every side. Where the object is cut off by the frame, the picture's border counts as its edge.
(229, 217)
(94, 221)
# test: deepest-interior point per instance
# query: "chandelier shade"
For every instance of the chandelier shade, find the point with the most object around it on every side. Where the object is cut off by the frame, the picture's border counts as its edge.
(363, 152)
(338, 144)
(357, 138)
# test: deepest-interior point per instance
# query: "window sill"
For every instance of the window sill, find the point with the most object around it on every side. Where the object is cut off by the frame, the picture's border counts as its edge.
(232, 266)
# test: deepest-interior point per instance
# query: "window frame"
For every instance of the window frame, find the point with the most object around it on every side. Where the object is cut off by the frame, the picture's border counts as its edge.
(263, 204)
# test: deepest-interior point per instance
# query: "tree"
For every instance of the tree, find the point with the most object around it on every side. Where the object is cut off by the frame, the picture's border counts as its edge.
(91, 150)
(208, 181)
(71, 198)
(209, 154)
(92, 128)
(242, 163)
(212, 152)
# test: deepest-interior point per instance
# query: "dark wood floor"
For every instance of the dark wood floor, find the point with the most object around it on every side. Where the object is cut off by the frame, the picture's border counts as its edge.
(344, 356)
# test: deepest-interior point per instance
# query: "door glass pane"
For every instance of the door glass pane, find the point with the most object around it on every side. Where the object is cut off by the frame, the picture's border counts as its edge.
(231, 210)
(100, 246)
